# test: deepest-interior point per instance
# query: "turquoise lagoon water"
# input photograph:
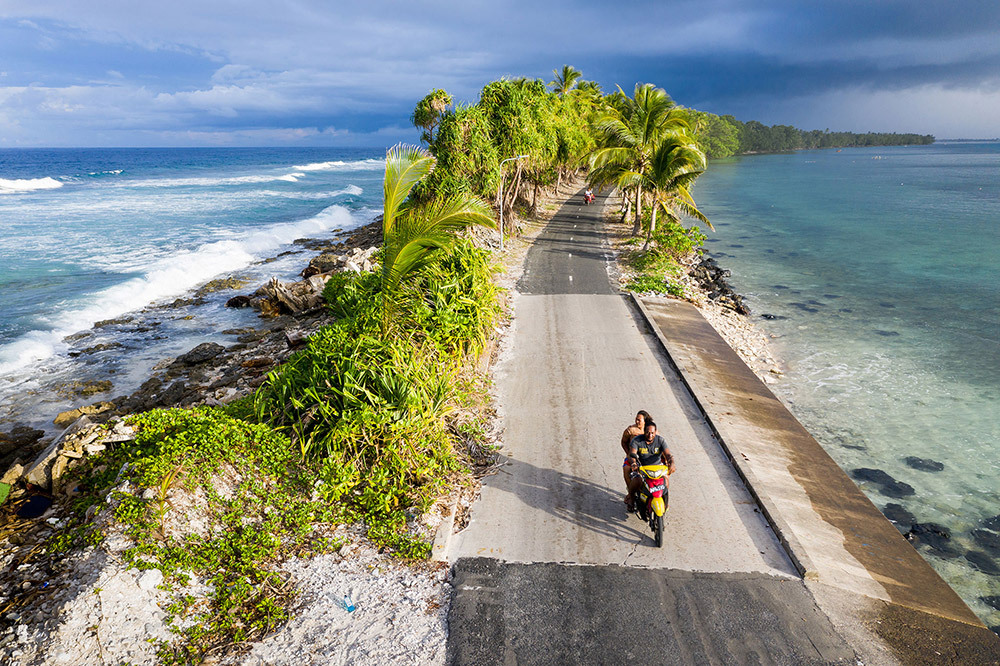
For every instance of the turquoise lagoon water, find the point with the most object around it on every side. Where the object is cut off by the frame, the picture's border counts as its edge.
(881, 270)
(93, 235)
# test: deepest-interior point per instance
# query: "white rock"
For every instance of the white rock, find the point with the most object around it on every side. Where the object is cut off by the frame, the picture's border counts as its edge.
(150, 578)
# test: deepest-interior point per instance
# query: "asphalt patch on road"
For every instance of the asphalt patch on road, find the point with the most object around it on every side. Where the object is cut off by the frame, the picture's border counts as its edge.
(547, 613)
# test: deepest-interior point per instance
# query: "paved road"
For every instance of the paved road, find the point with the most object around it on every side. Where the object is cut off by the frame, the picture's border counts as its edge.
(579, 370)
(581, 363)
(555, 614)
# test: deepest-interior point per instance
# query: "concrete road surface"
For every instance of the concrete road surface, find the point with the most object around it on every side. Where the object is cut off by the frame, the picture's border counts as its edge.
(580, 362)
(580, 365)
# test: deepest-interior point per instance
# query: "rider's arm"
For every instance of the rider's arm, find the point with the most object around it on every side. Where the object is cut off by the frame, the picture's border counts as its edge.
(627, 439)
(668, 459)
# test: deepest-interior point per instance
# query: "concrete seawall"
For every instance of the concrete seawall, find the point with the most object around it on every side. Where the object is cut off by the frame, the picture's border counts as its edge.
(856, 563)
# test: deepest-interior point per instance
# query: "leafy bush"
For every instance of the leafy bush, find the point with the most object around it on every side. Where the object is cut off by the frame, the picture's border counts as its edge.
(650, 283)
(460, 306)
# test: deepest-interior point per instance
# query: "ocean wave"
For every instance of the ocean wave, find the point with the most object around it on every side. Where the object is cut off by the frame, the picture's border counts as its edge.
(112, 172)
(350, 190)
(21, 185)
(166, 278)
(360, 165)
(213, 182)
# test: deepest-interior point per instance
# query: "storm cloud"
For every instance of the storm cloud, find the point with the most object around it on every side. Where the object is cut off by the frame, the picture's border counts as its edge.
(311, 73)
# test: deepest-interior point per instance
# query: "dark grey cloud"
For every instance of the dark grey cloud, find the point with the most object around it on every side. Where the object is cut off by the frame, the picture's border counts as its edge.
(67, 70)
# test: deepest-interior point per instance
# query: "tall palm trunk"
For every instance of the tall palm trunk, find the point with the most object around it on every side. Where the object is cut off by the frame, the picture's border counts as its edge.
(638, 211)
(652, 228)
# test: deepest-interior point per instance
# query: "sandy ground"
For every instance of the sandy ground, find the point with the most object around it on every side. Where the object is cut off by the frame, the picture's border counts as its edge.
(400, 613)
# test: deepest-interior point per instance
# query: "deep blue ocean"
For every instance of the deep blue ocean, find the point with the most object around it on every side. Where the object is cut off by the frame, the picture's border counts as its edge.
(88, 236)
(879, 273)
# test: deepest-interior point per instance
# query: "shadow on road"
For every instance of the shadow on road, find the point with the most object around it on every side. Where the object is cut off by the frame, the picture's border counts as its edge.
(568, 497)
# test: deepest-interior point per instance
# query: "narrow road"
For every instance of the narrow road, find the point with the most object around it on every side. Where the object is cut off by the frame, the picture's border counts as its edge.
(579, 365)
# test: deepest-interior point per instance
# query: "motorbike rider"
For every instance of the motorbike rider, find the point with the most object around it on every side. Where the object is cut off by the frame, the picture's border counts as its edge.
(647, 449)
(633, 430)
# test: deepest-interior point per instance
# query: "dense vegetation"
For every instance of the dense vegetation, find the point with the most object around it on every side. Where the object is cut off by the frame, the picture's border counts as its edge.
(369, 424)
(723, 136)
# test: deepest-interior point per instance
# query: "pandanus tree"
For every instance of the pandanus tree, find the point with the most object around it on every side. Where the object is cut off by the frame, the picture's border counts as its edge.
(412, 233)
(676, 164)
(628, 137)
(429, 111)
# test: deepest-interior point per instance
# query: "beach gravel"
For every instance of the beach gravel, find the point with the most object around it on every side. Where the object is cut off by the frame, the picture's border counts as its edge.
(400, 614)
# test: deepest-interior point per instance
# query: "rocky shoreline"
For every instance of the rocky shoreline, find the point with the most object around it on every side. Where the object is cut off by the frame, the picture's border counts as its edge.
(89, 608)
(211, 373)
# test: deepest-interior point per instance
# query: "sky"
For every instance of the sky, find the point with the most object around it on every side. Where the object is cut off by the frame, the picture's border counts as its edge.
(322, 73)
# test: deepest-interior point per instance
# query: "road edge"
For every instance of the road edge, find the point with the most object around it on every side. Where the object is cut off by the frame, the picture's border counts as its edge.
(795, 551)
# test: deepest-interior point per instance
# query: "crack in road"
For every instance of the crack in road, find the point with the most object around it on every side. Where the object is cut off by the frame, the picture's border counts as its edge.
(635, 547)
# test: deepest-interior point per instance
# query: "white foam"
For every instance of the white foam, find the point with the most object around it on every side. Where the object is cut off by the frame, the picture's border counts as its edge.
(20, 185)
(212, 182)
(350, 190)
(166, 278)
(360, 165)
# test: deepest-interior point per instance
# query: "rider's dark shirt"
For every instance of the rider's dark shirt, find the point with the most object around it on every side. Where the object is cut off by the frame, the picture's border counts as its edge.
(649, 452)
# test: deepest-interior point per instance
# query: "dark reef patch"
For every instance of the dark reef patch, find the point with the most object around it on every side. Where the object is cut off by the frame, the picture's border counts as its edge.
(934, 536)
(773, 317)
(872, 475)
(898, 514)
(898, 489)
(988, 541)
(887, 334)
(888, 486)
(983, 562)
(924, 464)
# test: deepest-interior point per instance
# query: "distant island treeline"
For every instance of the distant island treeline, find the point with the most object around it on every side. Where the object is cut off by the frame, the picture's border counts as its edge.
(723, 136)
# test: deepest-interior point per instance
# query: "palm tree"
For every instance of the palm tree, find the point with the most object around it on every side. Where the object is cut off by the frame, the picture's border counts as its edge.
(628, 136)
(676, 164)
(412, 234)
(565, 79)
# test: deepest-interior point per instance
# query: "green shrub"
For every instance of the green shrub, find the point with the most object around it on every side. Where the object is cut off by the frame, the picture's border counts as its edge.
(651, 283)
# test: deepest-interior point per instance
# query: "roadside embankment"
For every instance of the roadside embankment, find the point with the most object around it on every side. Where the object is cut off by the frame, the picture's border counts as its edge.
(861, 570)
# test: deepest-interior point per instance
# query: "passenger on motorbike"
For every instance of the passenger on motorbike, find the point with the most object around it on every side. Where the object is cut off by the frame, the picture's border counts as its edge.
(634, 430)
(647, 449)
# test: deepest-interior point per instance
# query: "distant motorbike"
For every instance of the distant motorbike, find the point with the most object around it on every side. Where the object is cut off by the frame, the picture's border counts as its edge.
(650, 499)
(588, 198)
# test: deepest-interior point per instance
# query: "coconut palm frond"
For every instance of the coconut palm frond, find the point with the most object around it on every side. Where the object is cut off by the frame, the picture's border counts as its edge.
(404, 167)
(417, 234)
(684, 202)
